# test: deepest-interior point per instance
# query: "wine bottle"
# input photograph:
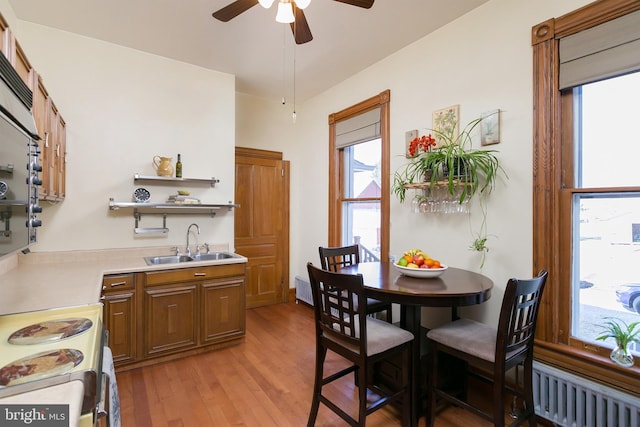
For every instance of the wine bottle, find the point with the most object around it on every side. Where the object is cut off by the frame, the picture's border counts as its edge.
(179, 167)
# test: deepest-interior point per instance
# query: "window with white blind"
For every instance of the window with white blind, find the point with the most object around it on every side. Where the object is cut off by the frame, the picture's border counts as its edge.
(358, 165)
(586, 190)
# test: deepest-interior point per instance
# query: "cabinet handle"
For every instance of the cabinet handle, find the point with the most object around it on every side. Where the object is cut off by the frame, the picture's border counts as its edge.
(46, 139)
(199, 274)
(103, 297)
(114, 284)
(104, 288)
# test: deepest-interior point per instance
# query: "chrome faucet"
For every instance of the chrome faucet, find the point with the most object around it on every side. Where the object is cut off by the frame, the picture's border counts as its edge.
(189, 231)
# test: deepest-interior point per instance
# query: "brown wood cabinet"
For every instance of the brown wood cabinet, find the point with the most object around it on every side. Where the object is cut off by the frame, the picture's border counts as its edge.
(119, 298)
(170, 318)
(49, 122)
(52, 131)
(177, 312)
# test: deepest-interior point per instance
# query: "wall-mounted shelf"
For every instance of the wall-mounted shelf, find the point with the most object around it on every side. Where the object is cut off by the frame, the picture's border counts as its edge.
(169, 180)
(165, 209)
(160, 207)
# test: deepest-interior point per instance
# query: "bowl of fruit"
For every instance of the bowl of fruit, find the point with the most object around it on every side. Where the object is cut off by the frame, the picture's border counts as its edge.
(416, 263)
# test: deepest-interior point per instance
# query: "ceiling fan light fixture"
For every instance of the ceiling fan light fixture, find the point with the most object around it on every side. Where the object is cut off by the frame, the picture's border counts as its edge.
(285, 12)
(302, 4)
(266, 3)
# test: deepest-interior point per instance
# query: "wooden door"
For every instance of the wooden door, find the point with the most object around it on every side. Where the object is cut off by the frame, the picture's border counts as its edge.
(262, 224)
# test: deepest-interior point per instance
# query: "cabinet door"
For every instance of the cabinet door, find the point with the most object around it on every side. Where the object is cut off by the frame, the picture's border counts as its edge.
(52, 162)
(41, 111)
(223, 310)
(60, 157)
(120, 321)
(22, 65)
(169, 319)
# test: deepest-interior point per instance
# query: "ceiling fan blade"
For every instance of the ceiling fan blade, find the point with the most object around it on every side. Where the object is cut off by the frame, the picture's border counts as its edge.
(300, 27)
(360, 3)
(234, 9)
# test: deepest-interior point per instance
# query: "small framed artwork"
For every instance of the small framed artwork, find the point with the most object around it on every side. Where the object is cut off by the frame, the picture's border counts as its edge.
(409, 136)
(447, 122)
(490, 128)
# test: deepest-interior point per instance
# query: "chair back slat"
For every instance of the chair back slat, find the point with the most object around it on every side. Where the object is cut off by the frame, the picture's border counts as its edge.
(333, 259)
(519, 314)
(338, 302)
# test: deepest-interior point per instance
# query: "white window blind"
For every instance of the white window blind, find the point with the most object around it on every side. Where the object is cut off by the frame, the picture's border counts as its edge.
(607, 50)
(361, 128)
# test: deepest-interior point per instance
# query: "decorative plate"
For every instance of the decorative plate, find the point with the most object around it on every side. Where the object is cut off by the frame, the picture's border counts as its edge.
(40, 365)
(141, 195)
(421, 273)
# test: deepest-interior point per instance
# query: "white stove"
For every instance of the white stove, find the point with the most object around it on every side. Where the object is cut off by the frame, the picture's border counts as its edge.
(47, 348)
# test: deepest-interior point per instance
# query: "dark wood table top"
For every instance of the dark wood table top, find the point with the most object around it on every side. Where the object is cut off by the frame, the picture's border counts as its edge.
(455, 287)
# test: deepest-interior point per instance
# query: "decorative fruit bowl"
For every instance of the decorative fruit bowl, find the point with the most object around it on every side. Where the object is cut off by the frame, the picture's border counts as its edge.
(421, 273)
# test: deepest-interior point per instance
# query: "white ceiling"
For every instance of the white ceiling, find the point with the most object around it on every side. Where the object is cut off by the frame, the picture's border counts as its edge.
(252, 46)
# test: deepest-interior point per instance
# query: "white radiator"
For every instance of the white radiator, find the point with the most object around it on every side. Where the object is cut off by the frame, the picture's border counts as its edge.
(570, 400)
(303, 290)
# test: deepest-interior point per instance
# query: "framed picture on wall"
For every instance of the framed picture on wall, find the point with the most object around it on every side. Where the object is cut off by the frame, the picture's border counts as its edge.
(490, 128)
(446, 121)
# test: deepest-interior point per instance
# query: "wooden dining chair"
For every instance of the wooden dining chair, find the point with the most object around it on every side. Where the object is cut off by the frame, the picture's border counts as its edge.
(491, 351)
(334, 258)
(343, 327)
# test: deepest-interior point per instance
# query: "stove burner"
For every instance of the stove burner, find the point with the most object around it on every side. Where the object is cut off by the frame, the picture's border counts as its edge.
(40, 365)
(50, 331)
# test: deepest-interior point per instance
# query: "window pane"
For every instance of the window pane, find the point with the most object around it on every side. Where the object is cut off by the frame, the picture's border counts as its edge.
(609, 148)
(361, 224)
(606, 256)
(362, 170)
(361, 219)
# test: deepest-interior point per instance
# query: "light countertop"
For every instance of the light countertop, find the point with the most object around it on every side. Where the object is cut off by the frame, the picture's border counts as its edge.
(43, 280)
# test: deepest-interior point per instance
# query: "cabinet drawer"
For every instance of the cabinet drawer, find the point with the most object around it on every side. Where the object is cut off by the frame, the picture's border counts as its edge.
(117, 282)
(193, 273)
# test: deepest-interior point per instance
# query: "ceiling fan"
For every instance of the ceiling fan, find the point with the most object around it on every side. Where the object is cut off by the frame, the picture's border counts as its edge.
(298, 22)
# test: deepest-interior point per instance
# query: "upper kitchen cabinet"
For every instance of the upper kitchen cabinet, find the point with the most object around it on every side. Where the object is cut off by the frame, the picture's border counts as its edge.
(49, 122)
(16, 56)
(52, 131)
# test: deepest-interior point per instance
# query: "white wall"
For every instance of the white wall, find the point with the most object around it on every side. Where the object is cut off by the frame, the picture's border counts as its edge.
(122, 107)
(482, 61)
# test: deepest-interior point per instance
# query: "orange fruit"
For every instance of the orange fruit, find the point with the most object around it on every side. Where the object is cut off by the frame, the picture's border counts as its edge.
(436, 264)
(428, 262)
(409, 258)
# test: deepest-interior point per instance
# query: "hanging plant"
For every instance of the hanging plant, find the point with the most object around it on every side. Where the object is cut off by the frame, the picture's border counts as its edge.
(463, 170)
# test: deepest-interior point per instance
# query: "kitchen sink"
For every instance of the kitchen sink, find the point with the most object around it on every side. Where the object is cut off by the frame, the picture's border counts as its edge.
(213, 256)
(175, 259)
(167, 259)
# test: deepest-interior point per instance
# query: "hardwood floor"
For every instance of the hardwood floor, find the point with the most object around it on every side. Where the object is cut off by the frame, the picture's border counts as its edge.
(265, 381)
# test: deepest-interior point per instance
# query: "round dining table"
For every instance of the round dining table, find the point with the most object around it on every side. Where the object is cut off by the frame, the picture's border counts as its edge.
(455, 288)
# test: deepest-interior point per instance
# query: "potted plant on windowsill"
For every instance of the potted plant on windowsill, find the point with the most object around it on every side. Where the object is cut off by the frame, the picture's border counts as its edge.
(624, 334)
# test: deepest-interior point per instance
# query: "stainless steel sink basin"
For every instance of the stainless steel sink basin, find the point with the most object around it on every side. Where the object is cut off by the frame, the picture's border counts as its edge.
(213, 256)
(176, 259)
(168, 259)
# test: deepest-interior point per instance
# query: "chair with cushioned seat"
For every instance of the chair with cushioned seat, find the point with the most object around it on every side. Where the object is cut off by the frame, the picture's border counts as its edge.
(491, 351)
(333, 259)
(342, 326)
